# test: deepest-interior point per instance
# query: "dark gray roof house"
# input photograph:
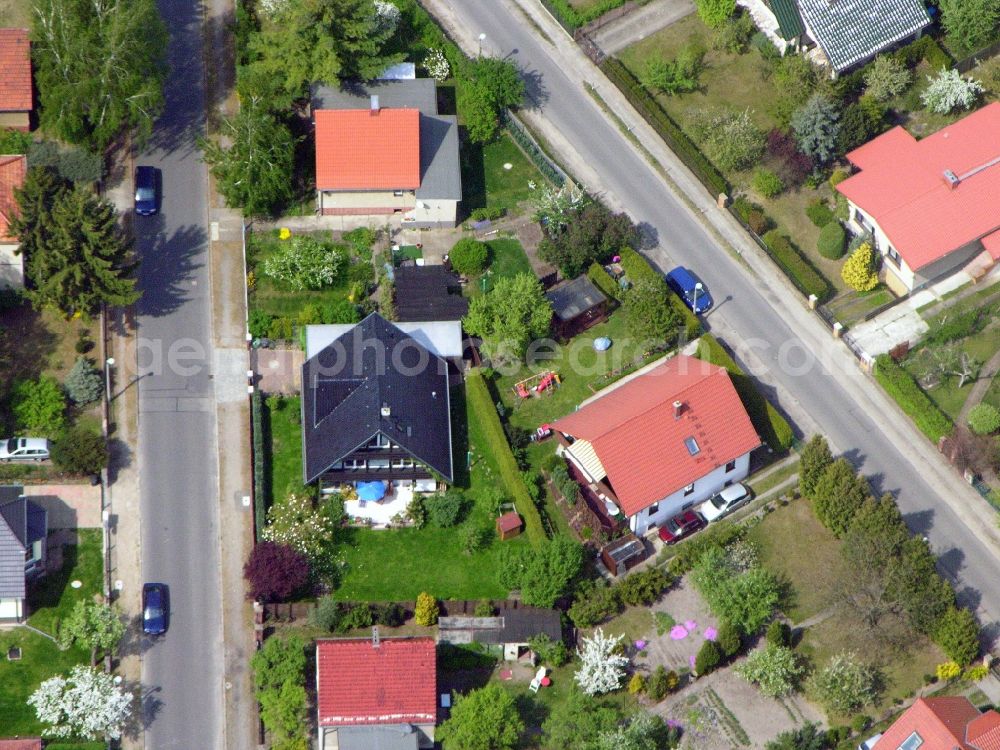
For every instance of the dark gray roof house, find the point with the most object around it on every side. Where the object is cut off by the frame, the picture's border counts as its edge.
(851, 32)
(426, 293)
(510, 627)
(375, 406)
(22, 524)
(380, 737)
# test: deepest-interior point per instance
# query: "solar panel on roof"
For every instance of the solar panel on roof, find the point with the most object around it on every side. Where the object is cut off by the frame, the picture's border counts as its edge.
(330, 393)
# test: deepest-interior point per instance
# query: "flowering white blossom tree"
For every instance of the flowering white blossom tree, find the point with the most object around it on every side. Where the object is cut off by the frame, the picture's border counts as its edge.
(387, 15)
(437, 64)
(948, 90)
(86, 704)
(295, 522)
(555, 206)
(603, 667)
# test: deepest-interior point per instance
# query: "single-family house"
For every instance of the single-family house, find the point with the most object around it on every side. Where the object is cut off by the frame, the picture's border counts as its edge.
(23, 530)
(376, 417)
(376, 693)
(941, 723)
(510, 629)
(16, 90)
(660, 442)
(576, 306)
(13, 169)
(851, 32)
(929, 204)
(383, 149)
(428, 293)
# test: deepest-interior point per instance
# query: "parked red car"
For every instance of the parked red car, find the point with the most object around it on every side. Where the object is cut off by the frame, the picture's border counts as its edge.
(681, 526)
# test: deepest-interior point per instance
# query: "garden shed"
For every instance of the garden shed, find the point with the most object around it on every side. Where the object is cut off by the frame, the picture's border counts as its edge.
(510, 629)
(509, 525)
(577, 305)
(623, 554)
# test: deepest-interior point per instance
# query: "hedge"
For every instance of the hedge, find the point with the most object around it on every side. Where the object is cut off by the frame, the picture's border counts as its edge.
(257, 427)
(603, 281)
(947, 328)
(636, 267)
(911, 398)
(482, 410)
(675, 138)
(805, 278)
(770, 425)
(571, 19)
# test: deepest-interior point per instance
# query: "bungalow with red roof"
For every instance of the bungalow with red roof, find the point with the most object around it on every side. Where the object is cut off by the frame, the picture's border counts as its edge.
(376, 693)
(12, 172)
(16, 92)
(930, 205)
(945, 723)
(661, 442)
(382, 149)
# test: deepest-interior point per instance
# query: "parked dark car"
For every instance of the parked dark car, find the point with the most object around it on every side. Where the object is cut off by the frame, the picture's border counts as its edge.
(155, 608)
(680, 526)
(147, 190)
(689, 289)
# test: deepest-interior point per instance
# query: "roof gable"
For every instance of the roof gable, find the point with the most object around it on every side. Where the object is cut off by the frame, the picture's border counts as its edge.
(640, 442)
(902, 185)
(365, 149)
(359, 683)
(15, 71)
(940, 722)
(850, 31)
(573, 298)
(13, 523)
(375, 379)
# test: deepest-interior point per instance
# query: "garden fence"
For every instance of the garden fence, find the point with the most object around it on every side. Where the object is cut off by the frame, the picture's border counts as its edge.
(549, 169)
(292, 611)
(257, 457)
(968, 63)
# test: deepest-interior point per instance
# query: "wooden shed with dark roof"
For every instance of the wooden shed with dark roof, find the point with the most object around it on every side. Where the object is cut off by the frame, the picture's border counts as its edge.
(576, 306)
(427, 293)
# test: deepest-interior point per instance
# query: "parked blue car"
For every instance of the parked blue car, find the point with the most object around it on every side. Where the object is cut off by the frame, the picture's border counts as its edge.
(147, 190)
(155, 608)
(689, 289)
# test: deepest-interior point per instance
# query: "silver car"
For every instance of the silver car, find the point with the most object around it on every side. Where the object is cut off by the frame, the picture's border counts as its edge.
(24, 449)
(724, 502)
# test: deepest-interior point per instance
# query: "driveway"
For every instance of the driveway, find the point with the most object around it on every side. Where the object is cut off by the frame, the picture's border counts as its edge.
(640, 23)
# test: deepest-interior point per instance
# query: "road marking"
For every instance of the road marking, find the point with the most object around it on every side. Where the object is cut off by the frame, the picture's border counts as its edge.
(215, 231)
(150, 404)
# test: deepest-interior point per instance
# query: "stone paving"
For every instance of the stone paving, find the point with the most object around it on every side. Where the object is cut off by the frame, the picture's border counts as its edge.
(69, 506)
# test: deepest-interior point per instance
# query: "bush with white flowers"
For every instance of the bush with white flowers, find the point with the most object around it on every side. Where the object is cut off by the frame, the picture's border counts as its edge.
(437, 65)
(603, 666)
(86, 704)
(948, 91)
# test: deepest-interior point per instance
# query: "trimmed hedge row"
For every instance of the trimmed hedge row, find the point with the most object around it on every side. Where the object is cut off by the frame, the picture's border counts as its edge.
(675, 138)
(911, 398)
(603, 281)
(481, 408)
(257, 427)
(770, 425)
(805, 278)
(636, 267)
(571, 19)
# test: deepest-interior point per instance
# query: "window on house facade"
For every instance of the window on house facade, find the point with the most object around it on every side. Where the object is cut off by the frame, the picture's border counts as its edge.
(689, 489)
(892, 255)
(378, 463)
(731, 466)
(398, 193)
(651, 511)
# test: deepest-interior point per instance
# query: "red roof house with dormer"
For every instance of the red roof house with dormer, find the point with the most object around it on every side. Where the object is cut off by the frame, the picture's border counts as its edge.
(372, 692)
(944, 723)
(661, 442)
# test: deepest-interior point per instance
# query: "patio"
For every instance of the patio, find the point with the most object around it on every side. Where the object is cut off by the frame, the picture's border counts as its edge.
(379, 513)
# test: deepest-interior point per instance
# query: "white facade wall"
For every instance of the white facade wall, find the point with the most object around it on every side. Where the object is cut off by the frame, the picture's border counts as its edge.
(673, 504)
(436, 212)
(860, 222)
(11, 267)
(11, 609)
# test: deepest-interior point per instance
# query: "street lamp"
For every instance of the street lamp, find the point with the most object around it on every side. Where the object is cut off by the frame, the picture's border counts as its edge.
(697, 288)
(108, 364)
(482, 38)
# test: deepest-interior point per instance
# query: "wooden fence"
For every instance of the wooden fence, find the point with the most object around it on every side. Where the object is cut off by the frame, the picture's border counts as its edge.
(292, 611)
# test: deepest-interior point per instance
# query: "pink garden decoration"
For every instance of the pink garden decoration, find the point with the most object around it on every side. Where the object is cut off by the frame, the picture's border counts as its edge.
(678, 633)
(691, 626)
(710, 633)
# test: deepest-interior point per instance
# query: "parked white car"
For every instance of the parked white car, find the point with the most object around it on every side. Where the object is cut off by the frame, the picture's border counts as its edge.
(724, 502)
(24, 449)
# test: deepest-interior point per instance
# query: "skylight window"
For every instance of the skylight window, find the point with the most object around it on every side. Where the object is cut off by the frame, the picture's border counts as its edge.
(912, 742)
(693, 449)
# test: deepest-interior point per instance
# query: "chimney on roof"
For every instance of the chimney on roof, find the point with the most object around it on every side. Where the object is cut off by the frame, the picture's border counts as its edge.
(386, 411)
(678, 408)
(374, 104)
(376, 642)
(951, 179)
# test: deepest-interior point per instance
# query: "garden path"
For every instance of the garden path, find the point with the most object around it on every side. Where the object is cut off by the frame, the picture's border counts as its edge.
(979, 388)
(277, 370)
(640, 23)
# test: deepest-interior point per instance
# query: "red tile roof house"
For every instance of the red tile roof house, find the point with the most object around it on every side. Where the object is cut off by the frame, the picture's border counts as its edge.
(662, 441)
(945, 723)
(376, 693)
(931, 205)
(382, 149)
(12, 172)
(16, 93)
(25, 744)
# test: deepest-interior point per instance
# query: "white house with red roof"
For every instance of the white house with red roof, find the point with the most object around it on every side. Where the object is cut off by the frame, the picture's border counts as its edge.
(944, 723)
(661, 442)
(382, 149)
(376, 693)
(13, 169)
(930, 204)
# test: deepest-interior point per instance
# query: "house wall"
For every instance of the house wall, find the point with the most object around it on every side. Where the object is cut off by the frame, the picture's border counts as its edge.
(15, 120)
(432, 214)
(11, 267)
(11, 610)
(364, 202)
(328, 737)
(704, 488)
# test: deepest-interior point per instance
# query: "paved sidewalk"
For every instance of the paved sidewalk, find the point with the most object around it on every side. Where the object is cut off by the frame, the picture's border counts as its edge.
(640, 23)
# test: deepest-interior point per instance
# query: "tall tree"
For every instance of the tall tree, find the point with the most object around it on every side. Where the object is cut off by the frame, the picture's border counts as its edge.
(816, 125)
(488, 86)
(509, 316)
(255, 172)
(32, 223)
(84, 258)
(322, 40)
(483, 719)
(578, 721)
(96, 625)
(85, 704)
(815, 458)
(99, 66)
(838, 495)
(972, 23)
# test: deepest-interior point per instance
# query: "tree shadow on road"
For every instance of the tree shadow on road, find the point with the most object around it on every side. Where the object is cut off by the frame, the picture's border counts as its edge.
(165, 268)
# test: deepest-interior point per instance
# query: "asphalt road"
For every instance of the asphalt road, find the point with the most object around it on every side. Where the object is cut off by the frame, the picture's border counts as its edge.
(182, 670)
(754, 321)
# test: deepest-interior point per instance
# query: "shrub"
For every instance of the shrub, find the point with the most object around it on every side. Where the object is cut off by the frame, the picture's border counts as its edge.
(80, 451)
(779, 633)
(886, 77)
(766, 183)
(603, 281)
(911, 398)
(426, 611)
(948, 328)
(390, 614)
(729, 639)
(444, 509)
(469, 256)
(792, 165)
(676, 76)
(304, 263)
(356, 616)
(807, 279)
(71, 162)
(763, 44)
(327, 614)
(83, 343)
(637, 684)
(819, 213)
(275, 572)
(84, 384)
(947, 671)
(651, 316)
(660, 683)
(549, 652)
(594, 603)
(715, 12)
(957, 634)
(746, 598)
(732, 139)
(39, 407)
(474, 539)
(708, 658)
(487, 213)
(838, 176)
(976, 673)
(859, 271)
(984, 419)
(948, 90)
(642, 588)
(816, 125)
(775, 669)
(832, 241)
(844, 685)
(735, 34)
(860, 723)
(259, 323)
(14, 141)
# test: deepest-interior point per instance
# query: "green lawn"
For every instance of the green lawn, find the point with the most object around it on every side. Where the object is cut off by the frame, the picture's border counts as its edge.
(284, 462)
(767, 482)
(507, 259)
(397, 564)
(850, 307)
(50, 599)
(485, 182)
